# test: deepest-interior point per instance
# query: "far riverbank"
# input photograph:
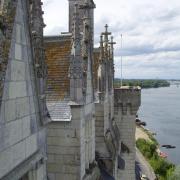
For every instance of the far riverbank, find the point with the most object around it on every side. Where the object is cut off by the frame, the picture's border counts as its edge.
(143, 83)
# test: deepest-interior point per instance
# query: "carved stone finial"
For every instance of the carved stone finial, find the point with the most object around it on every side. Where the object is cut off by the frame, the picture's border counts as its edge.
(75, 9)
(36, 28)
(109, 52)
(106, 28)
(76, 39)
(76, 69)
(106, 40)
(76, 22)
(112, 47)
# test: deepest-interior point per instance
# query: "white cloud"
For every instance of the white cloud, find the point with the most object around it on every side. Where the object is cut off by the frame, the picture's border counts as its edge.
(150, 28)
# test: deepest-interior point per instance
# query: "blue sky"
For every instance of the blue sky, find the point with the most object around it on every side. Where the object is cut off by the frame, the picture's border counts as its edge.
(150, 28)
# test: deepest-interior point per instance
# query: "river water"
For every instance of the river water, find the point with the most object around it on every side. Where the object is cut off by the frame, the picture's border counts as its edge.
(160, 108)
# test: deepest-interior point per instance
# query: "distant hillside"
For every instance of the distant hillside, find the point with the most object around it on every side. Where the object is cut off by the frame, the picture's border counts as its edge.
(143, 83)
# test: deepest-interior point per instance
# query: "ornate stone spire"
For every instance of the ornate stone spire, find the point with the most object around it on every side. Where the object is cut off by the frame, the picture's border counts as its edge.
(87, 45)
(76, 36)
(106, 40)
(76, 69)
(36, 27)
(71, 12)
(101, 57)
(112, 43)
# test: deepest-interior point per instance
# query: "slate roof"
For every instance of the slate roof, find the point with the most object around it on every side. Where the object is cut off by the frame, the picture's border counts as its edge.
(58, 50)
(59, 110)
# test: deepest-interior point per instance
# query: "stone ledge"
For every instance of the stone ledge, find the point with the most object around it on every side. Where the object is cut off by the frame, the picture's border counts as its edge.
(24, 167)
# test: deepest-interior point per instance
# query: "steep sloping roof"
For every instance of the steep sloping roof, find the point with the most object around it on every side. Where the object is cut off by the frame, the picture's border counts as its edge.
(58, 49)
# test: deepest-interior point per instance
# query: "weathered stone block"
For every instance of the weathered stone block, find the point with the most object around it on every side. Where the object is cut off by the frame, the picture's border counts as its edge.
(32, 104)
(61, 150)
(26, 124)
(13, 132)
(51, 158)
(18, 51)
(58, 141)
(22, 107)
(52, 176)
(10, 110)
(61, 132)
(18, 153)
(41, 173)
(31, 145)
(17, 89)
(6, 161)
(68, 169)
(17, 71)
(54, 168)
(18, 33)
(76, 113)
(66, 177)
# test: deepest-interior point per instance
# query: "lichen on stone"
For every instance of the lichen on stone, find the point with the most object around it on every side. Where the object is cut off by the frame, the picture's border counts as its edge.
(7, 16)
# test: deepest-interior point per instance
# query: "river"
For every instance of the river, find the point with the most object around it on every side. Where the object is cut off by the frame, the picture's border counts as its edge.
(160, 109)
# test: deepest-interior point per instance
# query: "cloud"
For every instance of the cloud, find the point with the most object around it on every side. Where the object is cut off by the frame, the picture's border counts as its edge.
(150, 28)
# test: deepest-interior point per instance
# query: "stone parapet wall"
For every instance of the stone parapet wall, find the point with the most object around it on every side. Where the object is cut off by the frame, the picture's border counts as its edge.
(127, 101)
(127, 97)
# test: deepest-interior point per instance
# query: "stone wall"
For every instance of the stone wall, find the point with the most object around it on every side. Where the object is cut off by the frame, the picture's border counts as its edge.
(22, 138)
(127, 102)
(66, 148)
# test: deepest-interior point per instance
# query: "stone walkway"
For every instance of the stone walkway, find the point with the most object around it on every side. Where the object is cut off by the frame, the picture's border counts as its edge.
(143, 166)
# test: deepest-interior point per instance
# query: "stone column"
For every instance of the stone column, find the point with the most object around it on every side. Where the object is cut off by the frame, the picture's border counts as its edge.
(127, 102)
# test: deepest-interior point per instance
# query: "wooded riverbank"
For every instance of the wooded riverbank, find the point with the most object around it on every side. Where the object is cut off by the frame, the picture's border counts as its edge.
(143, 83)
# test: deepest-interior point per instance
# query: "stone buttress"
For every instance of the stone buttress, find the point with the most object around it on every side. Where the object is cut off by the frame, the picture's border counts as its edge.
(115, 117)
(71, 133)
(22, 86)
(107, 133)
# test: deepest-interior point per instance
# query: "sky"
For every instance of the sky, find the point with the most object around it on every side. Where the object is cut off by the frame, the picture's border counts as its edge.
(150, 34)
